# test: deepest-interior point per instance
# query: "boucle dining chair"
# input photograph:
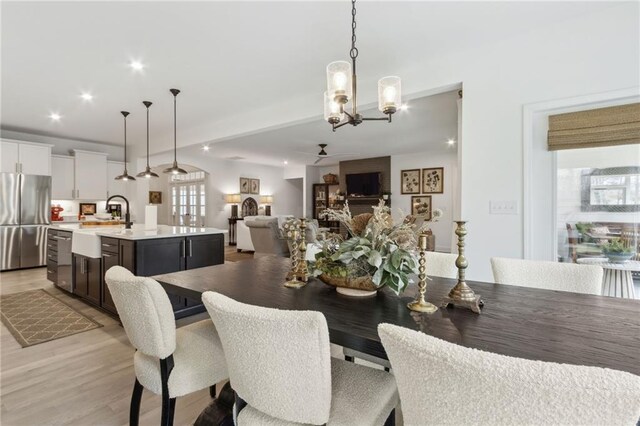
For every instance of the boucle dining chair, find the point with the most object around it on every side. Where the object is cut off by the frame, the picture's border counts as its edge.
(281, 369)
(548, 275)
(458, 385)
(168, 362)
(438, 265)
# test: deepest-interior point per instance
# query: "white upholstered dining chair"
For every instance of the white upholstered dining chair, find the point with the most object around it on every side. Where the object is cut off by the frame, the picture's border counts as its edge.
(281, 369)
(548, 275)
(438, 265)
(459, 385)
(168, 362)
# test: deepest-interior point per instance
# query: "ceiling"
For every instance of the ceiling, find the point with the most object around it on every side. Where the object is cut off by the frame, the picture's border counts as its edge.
(426, 126)
(235, 62)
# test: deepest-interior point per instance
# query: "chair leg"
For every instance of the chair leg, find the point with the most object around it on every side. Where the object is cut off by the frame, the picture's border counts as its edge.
(391, 420)
(212, 391)
(168, 404)
(136, 397)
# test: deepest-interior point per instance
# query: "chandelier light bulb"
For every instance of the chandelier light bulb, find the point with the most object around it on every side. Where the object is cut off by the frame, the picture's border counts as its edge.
(389, 94)
(340, 80)
(332, 111)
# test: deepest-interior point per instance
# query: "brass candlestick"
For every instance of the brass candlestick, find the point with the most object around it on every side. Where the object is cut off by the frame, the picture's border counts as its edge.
(421, 305)
(294, 282)
(302, 272)
(461, 295)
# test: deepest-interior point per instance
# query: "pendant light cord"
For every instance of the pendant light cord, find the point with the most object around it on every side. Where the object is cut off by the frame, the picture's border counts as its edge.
(175, 132)
(147, 137)
(125, 143)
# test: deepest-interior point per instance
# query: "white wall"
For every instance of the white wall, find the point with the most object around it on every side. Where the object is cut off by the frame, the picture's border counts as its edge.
(443, 230)
(589, 54)
(223, 178)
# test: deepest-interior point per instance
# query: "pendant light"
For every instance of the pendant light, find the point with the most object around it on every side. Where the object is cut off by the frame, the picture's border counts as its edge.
(175, 169)
(342, 88)
(147, 172)
(125, 174)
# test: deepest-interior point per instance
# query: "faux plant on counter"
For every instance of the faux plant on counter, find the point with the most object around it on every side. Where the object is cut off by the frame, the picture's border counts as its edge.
(377, 248)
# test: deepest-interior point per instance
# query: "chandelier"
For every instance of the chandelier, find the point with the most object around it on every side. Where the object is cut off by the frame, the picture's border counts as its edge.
(342, 88)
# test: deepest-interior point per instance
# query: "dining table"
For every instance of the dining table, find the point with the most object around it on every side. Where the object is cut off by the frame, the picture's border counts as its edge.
(524, 322)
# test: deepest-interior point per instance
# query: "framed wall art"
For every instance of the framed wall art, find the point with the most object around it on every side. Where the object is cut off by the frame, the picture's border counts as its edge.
(421, 206)
(410, 181)
(87, 208)
(155, 197)
(245, 185)
(254, 186)
(433, 180)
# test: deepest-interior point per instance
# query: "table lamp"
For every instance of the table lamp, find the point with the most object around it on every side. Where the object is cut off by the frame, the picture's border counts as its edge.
(267, 200)
(234, 200)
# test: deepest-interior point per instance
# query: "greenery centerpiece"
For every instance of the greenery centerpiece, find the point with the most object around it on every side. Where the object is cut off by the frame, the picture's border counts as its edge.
(377, 253)
(616, 251)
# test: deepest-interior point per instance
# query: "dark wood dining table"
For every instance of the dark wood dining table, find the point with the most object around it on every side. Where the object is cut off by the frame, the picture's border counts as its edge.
(516, 321)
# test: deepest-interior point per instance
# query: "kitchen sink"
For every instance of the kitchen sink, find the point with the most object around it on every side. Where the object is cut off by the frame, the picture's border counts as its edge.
(86, 243)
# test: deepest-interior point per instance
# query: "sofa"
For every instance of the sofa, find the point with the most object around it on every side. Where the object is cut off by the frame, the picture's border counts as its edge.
(243, 235)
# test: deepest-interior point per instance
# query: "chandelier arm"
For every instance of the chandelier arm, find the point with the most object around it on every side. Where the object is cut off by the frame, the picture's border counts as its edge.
(337, 126)
(376, 118)
(348, 115)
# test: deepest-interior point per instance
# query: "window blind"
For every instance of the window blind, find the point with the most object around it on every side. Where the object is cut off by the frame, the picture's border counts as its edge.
(617, 125)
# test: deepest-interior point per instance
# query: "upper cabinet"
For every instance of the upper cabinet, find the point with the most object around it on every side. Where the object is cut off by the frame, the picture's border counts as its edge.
(27, 158)
(62, 177)
(90, 175)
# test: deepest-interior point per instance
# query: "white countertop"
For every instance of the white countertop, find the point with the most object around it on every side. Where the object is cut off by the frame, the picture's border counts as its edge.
(163, 231)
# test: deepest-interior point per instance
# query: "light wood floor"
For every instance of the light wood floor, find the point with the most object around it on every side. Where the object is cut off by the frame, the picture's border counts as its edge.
(84, 379)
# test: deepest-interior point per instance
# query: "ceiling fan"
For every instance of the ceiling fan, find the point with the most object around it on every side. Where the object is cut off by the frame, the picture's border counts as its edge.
(322, 155)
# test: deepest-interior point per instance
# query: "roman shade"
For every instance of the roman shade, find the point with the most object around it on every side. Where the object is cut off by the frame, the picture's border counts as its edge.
(617, 125)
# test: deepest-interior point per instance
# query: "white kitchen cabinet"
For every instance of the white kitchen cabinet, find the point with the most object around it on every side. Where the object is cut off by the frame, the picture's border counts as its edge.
(116, 187)
(27, 158)
(62, 177)
(90, 175)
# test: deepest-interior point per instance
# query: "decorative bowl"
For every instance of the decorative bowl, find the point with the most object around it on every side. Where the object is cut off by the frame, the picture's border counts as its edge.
(617, 257)
(351, 286)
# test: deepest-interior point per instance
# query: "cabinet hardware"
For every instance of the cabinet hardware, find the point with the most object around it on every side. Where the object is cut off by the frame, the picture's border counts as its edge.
(108, 245)
(49, 271)
(190, 248)
(55, 237)
(81, 266)
(107, 255)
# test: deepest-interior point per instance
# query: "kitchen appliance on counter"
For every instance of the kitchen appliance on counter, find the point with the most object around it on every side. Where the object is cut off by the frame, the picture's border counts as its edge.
(24, 217)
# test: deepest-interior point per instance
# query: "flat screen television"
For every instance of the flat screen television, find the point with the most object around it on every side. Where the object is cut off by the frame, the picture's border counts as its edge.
(364, 185)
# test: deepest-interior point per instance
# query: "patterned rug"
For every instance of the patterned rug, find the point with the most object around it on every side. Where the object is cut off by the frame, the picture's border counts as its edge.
(36, 316)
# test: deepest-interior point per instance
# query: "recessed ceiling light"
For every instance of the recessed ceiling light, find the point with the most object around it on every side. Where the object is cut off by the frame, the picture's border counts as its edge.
(136, 65)
(404, 107)
(205, 148)
(86, 96)
(451, 141)
(285, 162)
(55, 116)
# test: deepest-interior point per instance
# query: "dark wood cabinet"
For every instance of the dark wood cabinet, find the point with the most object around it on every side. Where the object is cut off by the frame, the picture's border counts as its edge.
(205, 250)
(87, 278)
(160, 256)
(149, 257)
(325, 197)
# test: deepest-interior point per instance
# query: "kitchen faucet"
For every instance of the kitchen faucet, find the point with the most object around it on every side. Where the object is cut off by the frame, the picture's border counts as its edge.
(127, 217)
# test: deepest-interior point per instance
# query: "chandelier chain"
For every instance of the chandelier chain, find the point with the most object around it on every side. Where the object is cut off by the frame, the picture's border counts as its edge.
(354, 50)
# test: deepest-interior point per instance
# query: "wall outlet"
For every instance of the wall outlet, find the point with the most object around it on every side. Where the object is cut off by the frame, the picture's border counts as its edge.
(503, 207)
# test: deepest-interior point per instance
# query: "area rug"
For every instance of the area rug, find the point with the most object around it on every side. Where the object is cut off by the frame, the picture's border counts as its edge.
(36, 316)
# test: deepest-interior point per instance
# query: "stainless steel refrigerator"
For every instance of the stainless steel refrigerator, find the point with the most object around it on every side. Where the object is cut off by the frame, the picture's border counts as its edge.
(25, 205)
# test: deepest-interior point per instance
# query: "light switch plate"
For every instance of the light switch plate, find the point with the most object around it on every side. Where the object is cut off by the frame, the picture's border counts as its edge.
(503, 207)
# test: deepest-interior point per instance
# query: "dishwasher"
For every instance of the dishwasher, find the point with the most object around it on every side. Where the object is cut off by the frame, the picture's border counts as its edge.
(65, 271)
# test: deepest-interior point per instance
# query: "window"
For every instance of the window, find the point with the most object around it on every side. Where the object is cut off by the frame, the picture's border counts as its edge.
(188, 199)
(615, 189)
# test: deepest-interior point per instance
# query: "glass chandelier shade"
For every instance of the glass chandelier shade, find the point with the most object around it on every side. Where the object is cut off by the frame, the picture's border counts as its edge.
(332, 112)
(147, 171)
(125, 174)
(389, 94)
(175, 169)
(339, 81)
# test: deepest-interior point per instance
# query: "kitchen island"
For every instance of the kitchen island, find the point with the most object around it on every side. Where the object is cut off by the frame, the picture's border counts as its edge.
(145, 253)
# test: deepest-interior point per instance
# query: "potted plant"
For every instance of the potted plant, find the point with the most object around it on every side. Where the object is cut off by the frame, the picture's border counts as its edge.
(616, 251)
(377, 253)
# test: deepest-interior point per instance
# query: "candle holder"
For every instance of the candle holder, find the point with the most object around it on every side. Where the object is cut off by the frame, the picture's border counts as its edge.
(292, 279)
(420, 304)
(461, 294)
(302, 272)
